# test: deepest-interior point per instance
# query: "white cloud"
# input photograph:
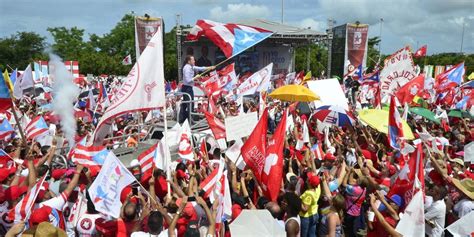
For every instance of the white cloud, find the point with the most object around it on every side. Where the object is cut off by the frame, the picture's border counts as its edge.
(313, 24)
(235, 12)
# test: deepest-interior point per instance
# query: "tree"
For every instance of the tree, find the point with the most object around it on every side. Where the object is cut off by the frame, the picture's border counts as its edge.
(318, 58)
(69, 43)
(20, 49)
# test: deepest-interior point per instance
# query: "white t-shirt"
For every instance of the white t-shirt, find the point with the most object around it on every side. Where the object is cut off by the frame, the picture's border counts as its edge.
(163, 233)
(463, 207)
(436, 213)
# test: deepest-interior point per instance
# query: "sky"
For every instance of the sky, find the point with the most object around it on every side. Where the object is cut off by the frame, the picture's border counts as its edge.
(436, 23)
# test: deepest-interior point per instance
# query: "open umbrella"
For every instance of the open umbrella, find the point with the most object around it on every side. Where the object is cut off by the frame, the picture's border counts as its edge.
(425, 113)
(256, 223)
(459, 114)
(332, 114)
(294, 93)
(378, 119)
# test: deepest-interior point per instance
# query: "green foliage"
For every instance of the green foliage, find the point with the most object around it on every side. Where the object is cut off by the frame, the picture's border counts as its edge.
(448, 59)
(20, 49)
(318, 59)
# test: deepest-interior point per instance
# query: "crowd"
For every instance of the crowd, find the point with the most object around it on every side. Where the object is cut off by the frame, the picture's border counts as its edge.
(346, 181)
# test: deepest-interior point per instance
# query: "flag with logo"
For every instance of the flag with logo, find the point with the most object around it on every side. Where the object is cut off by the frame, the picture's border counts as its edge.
(36, 128)
(421, 52)
(411, 89)
(6, 129)
(127, 60)
(185, 145)
(142, 89)
(450, 78)
(259, 81)
(106, 188)
(254, 149)
(273, 168)
(218, 129)
(90, 155)
(231, 38)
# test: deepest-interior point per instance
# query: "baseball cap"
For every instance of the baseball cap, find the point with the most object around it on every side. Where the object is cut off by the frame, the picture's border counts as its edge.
(313, 179)
(40, 215)
(329, 157)
(5, 172)
(14, 192)
(395, 198)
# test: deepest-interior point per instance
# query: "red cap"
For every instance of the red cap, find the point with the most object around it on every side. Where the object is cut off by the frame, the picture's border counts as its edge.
(58, 173)
(43, 189)
(391, 169)
(14, 192)
(313, 179)
(123, 195)
(329, 157)
(236, 210)
(94, 170)
(5, 172)
(40, 215)
(180, 174)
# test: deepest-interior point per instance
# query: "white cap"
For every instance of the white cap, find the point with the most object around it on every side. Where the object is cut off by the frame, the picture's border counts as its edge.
(134, 163)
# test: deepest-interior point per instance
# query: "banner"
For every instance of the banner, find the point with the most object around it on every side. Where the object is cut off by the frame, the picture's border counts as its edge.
(143, 89)
(240, 126)
(259, 81)
(438, 70)
(145, 29)
(428, 71)
(398, 70)
(329, 92)
(356, 42)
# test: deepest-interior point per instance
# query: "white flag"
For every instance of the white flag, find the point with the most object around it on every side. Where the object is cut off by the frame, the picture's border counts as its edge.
(412, 222)
(289, 123)
(106, 188)
(162, 157)
(463, 226)
(23, 82)
(304, 138)
(259, 81)
(127, 60)
(143, 89)
(185, 144)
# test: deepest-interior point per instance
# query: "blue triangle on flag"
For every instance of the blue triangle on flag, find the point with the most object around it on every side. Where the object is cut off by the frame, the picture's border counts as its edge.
(245, 39)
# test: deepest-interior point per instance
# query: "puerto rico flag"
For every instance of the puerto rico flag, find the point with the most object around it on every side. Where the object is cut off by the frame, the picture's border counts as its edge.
(36, 128)
(6, 129)
(450, 78)
(23, 208)
(103, 97)
(231, 38)
(395, 129)
(90, 155)
(145, 159)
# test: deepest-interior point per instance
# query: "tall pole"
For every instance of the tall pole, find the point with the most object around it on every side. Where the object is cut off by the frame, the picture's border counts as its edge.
(329, 38)
(282, 11)
(462, 35)
(178, 45)
(380, 37)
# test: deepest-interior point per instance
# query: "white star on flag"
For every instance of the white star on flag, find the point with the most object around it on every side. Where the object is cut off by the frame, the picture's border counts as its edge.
(247, 38)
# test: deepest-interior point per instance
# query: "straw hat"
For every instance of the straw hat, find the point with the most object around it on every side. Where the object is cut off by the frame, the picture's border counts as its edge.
(458, 161)
(45, 229)
(466, 186)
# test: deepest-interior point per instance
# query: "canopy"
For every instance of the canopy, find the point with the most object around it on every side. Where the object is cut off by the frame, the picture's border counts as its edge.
(425, 113)
(378, 119)
(294, 93)
(256, 223)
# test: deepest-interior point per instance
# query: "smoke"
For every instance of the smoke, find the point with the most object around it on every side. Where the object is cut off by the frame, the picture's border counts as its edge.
(65, 94)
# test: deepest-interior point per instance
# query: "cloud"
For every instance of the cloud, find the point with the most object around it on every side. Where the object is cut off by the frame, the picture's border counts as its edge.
(313, 24)
(235, 12)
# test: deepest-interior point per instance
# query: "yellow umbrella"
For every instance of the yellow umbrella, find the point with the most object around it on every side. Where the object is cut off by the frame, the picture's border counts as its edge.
(378, 119)
(294, 93)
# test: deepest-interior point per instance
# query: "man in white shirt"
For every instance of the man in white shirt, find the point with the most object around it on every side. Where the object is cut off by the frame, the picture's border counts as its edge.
(188, 82)
(155, 226)
(436, 212)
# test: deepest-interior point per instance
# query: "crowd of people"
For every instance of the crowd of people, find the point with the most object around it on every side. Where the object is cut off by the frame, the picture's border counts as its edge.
(346, 181)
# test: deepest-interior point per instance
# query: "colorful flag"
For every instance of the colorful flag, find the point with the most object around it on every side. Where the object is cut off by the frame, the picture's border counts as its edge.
(273, 169)
(254, 149)
(421, 52)
(185, 145)
(23, 208)
(90, 155)
(143, 89)
(5, 98)
(111, 180)
(395, 127)
(6, 129)
(127, 60)
(450, 78)
(5, 160)
(412, 222)
(91, 104)
(36, 128)
(23, 82)
(103, 97)
(232, 39)
(411, 89)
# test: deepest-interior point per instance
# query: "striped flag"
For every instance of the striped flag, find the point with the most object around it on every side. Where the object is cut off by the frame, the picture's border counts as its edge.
(208, 184)
(22, 209)
(5, 129)
(317, 151)
(36, 128)
(89, 155)
(73, 67)
(146, 161)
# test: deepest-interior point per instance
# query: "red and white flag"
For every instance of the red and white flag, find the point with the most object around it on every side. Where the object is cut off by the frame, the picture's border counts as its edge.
(254, 149)
(217, 127)
(185, 145)
(421, 52)
(22, 209)
(259, 81)
(231, 38)
(143, 89)
(273, 169)
(412, 222)
(209, 183)
(36, 128)
(89, 155)
(127, 60)
(145, 159)
(414, 87)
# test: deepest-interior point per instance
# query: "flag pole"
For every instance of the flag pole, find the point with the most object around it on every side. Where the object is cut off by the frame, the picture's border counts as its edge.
(209, 70)
(165, 134)
(15, 115)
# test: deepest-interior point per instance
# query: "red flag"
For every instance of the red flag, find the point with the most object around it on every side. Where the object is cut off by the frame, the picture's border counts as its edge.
(273, 169)
(216, 126)
(421, 52)
(254, 149)
(405, 183)
(395, 129)
(407, 92)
